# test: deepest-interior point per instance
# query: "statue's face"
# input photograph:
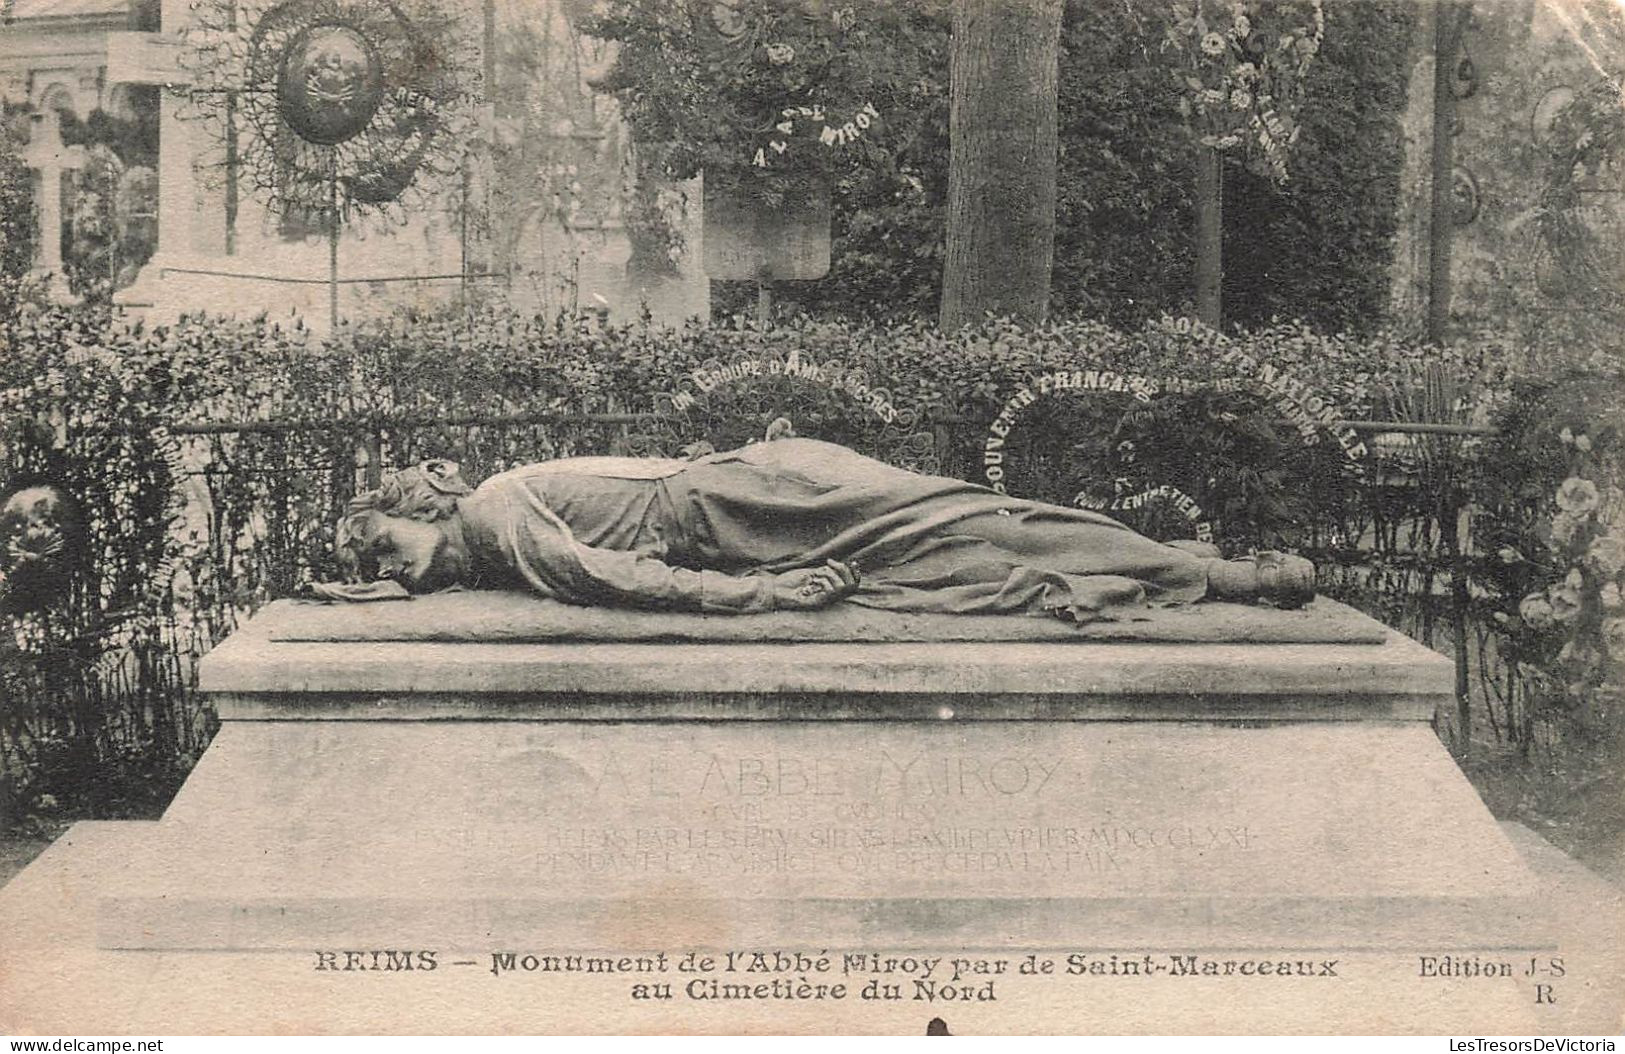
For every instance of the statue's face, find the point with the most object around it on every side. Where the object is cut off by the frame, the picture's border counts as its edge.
(421, 556)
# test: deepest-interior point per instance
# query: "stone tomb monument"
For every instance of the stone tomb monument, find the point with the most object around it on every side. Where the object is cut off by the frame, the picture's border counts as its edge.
(479, 771)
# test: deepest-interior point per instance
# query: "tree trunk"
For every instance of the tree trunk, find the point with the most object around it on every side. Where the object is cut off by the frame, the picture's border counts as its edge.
(1448, 22)
(1001, 168)
(1209, 236)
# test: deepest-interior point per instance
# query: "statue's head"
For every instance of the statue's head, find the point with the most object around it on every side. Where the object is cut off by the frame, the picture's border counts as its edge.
(407, 529)
(1285, 580)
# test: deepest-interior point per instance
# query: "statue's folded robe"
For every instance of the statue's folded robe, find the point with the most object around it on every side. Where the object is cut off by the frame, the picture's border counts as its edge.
(516, 617)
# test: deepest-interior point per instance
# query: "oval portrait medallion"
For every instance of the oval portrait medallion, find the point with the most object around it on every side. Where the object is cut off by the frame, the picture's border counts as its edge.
(330, 83)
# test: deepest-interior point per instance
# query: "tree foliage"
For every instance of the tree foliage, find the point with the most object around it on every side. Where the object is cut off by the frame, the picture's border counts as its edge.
(1319, 246)
(19, 224)
(759, 92)
(113, 212)
(1123, 214)
(705, 87)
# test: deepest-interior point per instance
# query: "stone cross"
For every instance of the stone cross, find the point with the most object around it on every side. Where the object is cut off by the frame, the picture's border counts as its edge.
(47, 155)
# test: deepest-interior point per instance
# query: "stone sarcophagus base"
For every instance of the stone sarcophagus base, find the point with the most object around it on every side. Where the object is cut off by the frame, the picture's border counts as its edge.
(1211, 778)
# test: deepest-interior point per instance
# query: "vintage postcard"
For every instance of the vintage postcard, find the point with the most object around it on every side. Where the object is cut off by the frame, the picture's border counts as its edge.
(907, 517)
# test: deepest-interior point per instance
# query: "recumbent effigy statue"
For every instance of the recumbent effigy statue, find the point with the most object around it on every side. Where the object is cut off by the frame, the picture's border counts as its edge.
(786, 524)
(885, 762)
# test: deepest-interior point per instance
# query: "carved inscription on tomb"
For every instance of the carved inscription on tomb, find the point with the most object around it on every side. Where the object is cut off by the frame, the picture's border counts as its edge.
(883, 812)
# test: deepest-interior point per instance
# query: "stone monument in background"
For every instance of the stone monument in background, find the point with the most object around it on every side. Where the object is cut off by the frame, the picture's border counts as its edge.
(564, 245)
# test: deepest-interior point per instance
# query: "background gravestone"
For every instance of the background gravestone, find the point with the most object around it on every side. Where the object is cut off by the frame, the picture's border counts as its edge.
(751, 238)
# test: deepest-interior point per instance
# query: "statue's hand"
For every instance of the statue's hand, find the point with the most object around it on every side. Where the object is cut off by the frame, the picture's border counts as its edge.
(813, 587)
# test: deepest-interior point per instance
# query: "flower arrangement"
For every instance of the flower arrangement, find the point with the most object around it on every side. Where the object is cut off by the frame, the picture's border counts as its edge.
(763, 91)
(1574, 625)
(377, 124)
(1241, 67)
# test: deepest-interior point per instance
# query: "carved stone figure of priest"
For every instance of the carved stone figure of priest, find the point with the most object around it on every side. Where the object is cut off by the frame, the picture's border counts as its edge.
(790, 523)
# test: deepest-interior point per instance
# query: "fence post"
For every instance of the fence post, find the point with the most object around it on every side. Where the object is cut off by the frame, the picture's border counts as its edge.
(1460, 598)
(942, 441)
(375, 457)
